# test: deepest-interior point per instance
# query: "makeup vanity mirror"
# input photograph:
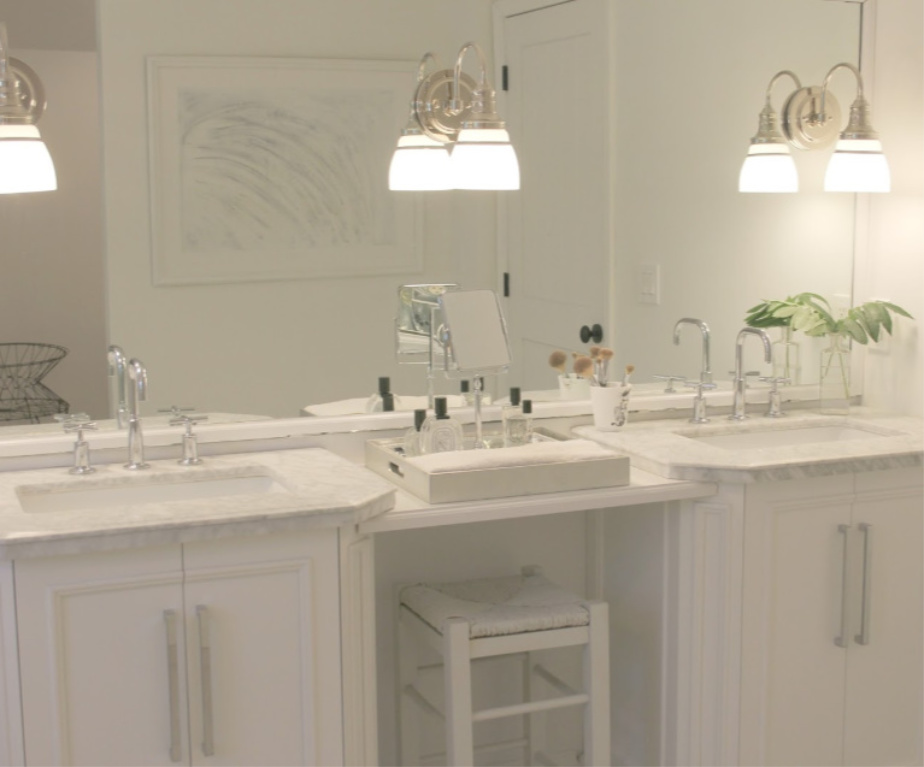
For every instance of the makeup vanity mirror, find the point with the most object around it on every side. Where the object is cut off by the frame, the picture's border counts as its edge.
(476, 336)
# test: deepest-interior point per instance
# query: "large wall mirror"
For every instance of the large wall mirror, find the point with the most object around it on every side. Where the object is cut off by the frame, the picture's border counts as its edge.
(692, 78)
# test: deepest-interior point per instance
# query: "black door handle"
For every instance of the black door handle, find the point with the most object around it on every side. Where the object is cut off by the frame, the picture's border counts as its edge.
(593, 333)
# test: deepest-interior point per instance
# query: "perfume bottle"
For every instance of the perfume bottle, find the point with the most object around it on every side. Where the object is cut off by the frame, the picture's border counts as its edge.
(518, 425)
(440, 432)
(411, 443)
(383, 400)
(465, 387)
(511, 410)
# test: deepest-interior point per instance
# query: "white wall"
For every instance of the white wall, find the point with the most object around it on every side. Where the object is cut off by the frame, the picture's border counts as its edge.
(270, 347)
(894, 258)
(51, 285)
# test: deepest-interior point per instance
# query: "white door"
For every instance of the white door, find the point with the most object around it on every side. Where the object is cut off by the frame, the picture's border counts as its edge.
(95, 658)
(883, 723)
(263, 650)
(557, 227)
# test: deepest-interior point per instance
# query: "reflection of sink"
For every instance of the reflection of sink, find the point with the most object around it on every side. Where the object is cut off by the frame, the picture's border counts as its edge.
(807, 435)
(70, 498)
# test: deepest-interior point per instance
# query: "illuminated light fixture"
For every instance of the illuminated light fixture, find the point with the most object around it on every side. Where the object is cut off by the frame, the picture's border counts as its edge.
(420, 163)
(769, 166)
(25, 164)
(810, 119)
(455, 111)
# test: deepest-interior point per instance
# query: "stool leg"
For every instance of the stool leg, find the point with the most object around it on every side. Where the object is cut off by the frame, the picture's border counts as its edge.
(597, 686)
(457, 675)
(528, 728)
(408, 715)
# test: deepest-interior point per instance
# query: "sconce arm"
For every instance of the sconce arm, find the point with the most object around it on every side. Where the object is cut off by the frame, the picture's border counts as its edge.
(858, 125)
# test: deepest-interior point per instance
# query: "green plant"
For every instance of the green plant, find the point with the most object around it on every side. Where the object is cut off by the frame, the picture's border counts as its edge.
(811, 314)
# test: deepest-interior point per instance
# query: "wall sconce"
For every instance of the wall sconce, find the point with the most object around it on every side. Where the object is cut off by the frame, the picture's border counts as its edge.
(454, 111)
(811, 116)
(25, 164)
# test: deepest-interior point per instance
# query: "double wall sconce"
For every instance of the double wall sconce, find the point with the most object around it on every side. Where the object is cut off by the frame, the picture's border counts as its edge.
(25, 164)
(454, 138)
(811, 116)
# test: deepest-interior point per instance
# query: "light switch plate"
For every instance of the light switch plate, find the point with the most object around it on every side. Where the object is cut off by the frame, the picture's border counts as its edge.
(648, 283)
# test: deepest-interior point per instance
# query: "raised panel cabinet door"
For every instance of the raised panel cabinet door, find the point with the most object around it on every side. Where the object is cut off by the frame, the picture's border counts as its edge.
(558, 240)
(793, 669)
(101, 657)
(263, 650)
(883, 725)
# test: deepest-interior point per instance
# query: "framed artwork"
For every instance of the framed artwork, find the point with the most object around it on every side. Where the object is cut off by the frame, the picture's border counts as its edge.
(277, 168)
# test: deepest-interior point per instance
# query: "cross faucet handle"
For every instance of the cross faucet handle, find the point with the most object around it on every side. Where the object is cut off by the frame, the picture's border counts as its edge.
(186, 420)
(670, 382)
(699, 402)
(175, 411)
(775, 381)
(775, 401)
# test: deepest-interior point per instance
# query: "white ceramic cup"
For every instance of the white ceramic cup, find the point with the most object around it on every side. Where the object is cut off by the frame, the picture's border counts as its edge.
(606, 402)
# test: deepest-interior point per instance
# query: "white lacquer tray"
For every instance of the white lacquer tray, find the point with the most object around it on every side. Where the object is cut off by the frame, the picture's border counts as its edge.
(559, 467)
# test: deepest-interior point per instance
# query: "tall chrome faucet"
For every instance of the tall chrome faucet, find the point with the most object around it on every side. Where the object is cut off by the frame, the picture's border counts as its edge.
(705, 375)
(738, 413)
(137, 392)
(117, 362)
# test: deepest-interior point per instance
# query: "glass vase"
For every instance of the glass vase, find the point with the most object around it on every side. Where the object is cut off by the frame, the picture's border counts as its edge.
(786, 360)
(834, 378)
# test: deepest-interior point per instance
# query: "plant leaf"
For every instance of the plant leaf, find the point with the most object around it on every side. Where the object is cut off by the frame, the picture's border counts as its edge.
(855, 330)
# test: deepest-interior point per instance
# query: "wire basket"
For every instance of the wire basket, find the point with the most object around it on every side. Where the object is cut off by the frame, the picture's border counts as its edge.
(23, 397)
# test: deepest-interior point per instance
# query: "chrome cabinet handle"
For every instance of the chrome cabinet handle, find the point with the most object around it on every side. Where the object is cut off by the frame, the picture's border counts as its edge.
(841, 639)
(866, 602)
(173, 684)
(205, 676)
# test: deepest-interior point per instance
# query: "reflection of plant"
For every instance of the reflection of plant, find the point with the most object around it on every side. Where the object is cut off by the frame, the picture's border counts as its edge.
(812, 314)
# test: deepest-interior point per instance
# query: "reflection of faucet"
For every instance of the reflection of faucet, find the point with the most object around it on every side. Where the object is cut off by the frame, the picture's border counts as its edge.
(117, 362)
(138, 392)
(705, 375)
(738, 413)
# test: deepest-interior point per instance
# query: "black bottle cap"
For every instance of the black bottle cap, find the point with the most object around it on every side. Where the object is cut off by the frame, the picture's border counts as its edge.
(527, 406)
(384, 385)
(419, 417)
(514, 395)
(388, 402)
(465, 386)
(439, 405)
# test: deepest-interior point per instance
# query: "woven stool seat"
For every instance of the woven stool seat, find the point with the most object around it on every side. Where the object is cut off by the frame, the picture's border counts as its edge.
(497, 606)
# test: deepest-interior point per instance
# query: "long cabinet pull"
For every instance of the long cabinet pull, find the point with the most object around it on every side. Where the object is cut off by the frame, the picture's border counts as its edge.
(205, 676)
(866, 602)
(841, 639)
(173, 684)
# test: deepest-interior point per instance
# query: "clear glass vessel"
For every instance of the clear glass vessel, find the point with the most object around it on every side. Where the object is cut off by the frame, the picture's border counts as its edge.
(441, 432)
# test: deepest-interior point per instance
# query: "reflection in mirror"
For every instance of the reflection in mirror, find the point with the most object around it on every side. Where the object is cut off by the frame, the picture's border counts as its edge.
(272, 348)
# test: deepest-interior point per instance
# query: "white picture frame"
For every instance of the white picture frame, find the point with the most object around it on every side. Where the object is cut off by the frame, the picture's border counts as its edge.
(276, 168)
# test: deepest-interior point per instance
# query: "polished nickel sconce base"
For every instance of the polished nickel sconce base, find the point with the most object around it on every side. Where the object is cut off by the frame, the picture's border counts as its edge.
(432, 104)
(800, 119)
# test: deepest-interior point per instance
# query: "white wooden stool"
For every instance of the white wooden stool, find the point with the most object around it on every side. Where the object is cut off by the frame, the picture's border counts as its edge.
(467, 620)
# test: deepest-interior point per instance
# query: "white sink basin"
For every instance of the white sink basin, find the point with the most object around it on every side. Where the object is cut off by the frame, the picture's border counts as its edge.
(808, 435)
(142, 491)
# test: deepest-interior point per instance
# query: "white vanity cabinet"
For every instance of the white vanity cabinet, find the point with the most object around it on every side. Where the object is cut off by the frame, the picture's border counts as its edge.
(213, 653)
(832, 637)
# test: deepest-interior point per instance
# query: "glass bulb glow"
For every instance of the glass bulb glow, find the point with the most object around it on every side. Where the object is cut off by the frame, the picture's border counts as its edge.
(25, 164)
(858, 165)
(483, 158)
(419, 163)
(768, 168)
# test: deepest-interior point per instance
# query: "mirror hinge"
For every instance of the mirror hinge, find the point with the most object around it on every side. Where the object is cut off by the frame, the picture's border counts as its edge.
(505, 82)
(506, 284)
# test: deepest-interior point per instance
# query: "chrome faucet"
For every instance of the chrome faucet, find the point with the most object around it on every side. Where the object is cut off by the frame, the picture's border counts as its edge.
(117, 362)
(138, 392)
(705, 375)
(738, 403)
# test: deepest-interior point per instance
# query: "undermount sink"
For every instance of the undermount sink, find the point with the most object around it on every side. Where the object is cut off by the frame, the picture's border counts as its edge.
(806, 435)
(142, 491)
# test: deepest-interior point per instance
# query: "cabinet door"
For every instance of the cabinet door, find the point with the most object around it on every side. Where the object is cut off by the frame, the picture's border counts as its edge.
(793, 672)
(94, 657)
(883, 723)
(263, 650)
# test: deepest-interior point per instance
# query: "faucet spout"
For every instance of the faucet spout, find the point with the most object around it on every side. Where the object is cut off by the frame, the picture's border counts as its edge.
(138, 392)
(705, 375)
(117, 363)
(738, 403)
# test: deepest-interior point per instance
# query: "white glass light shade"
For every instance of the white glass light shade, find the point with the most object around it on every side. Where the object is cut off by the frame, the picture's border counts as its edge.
(858, 165)
(768, 168)
(483, 158)
(419, 163)
(25, 164)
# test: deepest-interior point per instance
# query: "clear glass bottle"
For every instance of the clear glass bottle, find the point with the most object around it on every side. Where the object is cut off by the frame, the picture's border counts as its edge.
(441, 432)
(518, 425)
(411, 442)
(465, 388)
(786, 361)
(834, 378)
(511, 410)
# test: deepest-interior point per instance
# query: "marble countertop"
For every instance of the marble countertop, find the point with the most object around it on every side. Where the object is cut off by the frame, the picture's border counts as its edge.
(671, 448)
(302, 488)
